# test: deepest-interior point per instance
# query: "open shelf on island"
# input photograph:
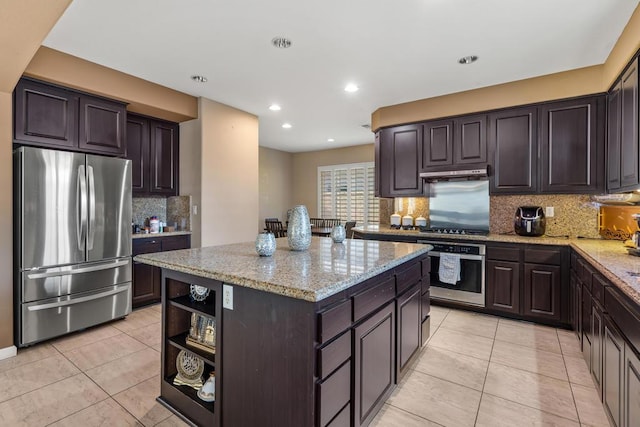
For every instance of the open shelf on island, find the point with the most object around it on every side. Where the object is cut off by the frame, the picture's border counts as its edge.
(185, 302)
(180, 342)
(191, 393)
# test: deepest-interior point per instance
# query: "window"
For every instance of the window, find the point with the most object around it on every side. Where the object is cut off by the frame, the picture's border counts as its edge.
(347, 192)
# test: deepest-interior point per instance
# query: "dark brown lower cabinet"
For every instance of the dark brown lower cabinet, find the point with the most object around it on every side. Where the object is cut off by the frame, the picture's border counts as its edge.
(503, 286)
(597, 332)
(576, 306)
(631, 414)
(542, 291)
(374, 359)
(147, 284)
(408, 328)
(612, 379)
(587, 332)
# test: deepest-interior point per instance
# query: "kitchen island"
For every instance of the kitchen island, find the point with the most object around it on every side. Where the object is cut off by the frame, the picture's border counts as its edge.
(319, 337)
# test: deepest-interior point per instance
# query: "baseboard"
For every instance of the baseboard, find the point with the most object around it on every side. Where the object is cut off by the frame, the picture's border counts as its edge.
(8, 352)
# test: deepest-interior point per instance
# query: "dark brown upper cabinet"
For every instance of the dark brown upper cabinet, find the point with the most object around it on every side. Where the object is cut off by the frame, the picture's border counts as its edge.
(400, 153)
(513, 142)
(438, 144)
(51, 116)
(614, 115)
(629, 128)
(572, 146)
(153, 148)
(449, 144)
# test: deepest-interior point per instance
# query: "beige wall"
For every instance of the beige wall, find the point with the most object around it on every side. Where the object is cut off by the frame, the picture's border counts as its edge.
(567, 84)
(305, 171)
(229, 206)
(6, 223)
(276, 184)
(191, 173)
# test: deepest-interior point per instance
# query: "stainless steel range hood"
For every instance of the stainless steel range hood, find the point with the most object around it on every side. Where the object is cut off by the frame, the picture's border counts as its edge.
(466, 174)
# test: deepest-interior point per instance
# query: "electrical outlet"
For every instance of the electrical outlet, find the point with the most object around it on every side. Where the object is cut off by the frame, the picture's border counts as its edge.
(227, 297)
(550, 212)
(195, 209)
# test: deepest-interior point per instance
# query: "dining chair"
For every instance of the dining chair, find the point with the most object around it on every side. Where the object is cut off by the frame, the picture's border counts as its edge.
(331, 222)
(316, 222)
(347, 228)
(275, 227)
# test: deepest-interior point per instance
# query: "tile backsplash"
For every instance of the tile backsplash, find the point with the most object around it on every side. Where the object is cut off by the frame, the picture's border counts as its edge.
(170, 210)
(575, 215)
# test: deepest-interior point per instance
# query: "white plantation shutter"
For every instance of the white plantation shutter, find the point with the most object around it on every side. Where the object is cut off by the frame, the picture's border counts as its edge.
(347, 192)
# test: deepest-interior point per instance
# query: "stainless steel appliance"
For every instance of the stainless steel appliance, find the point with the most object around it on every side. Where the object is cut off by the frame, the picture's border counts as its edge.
(461, 206)
(470, 287)
(530, 221)
(72, 240)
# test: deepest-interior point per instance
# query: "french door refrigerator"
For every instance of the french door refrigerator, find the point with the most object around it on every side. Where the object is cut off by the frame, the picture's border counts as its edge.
(72, 240)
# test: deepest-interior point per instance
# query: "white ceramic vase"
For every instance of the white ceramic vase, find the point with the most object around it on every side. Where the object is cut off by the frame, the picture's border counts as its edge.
(299, 229)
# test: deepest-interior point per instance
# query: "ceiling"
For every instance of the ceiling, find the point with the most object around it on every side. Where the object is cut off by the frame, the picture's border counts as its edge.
(395, 51)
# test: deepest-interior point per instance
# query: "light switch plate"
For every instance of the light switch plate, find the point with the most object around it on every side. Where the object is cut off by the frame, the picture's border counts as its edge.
(227, 297)
(550, 212)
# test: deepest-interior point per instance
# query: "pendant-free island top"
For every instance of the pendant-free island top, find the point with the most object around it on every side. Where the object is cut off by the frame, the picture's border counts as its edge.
(324, 269)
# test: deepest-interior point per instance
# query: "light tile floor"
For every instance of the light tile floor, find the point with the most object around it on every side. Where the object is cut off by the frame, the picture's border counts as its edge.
(479, 370)
(475, 370)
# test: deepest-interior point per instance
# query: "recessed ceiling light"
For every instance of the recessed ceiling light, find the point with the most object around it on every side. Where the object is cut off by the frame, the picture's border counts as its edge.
(366, 126)
(274, 107)
(330, 140)
(351, 87)
(281, 42)
(199, 79)
(468, 59)
(287, 125)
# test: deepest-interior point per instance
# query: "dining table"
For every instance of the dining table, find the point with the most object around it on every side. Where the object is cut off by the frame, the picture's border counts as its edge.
(321, 231)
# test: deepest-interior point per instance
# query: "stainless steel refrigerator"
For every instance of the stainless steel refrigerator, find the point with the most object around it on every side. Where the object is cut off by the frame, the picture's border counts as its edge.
(72, 240)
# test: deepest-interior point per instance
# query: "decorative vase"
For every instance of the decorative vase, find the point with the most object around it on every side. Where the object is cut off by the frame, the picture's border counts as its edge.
(338, 233)
(299, 229)
(265, 244)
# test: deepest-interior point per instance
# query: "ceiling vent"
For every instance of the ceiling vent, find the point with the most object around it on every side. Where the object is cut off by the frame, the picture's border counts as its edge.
(366, 126)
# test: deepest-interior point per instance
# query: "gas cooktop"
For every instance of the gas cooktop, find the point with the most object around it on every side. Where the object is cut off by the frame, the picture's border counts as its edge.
(461, 231)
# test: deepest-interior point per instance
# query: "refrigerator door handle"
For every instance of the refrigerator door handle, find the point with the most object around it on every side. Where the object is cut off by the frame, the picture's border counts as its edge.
(91, 231)
(81, 187)
(76, 300)
(68, 272)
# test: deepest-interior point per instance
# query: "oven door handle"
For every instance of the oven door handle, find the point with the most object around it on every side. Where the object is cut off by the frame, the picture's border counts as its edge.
(462, 256)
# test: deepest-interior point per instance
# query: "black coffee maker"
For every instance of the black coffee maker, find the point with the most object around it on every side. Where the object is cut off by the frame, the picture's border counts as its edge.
(530, 221)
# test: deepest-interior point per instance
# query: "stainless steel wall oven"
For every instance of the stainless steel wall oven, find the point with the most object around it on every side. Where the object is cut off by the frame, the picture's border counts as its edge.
(469, 288)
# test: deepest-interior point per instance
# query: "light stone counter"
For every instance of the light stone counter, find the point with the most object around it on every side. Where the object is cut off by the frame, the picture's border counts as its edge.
(151, 235)
(326, 268)
(610, 257)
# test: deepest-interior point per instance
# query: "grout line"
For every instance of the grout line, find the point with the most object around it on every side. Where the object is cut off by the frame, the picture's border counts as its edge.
(532, 407)
(486, 374)
(415, 415)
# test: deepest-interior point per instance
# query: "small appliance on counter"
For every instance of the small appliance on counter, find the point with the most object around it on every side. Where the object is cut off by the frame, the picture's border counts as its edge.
(530, 221)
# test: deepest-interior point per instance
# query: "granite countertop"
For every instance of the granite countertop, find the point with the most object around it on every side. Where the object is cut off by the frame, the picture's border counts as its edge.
(312, 275)
(150, 235)
(610, 257)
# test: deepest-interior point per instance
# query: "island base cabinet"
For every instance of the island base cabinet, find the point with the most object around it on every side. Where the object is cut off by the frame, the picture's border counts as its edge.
(374, 345)
(408, 329)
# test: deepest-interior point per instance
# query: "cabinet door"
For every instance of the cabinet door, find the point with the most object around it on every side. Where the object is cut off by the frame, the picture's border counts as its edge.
(401, 150)
(374, 345)
(542, 291)
(164, 150)
(409, 325)
(102, 126)
(614, 111)
(45, 115)
(629, 127)
(571, 135)
(376, 179)
(503, 286)
(597, 329)
(513, 151)
(631, 407)
(470, 140)
(146, 284)
(138, 153)
(438, 144)
(587, 332)
(612, 376)
(576, 305)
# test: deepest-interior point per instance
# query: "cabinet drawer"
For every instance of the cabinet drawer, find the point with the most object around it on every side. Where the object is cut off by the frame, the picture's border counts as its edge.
(585, 273)
(426, 305)
(146, 246)
(373, 298)
(543, 256)
(503, 253)
(333, 321)
(333, 355)
(334, 393)
(173, 243)
(624, 314)
(408, 277)
(597, 288)
(343, 419)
